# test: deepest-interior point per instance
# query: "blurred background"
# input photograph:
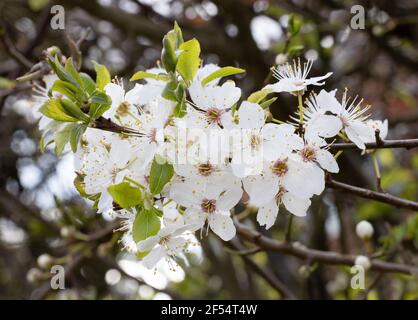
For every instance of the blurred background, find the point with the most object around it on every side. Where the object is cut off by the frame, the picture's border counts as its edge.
(41, 213)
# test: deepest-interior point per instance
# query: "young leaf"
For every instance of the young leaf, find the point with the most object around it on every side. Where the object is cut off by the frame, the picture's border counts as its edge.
(62, 136)
(102, 75)
(266, 104)
(169, 91)
(65, 88)
(160, 174)
(54, 109)
(223, 72)
(97, 109)
(72, 71)
(87, 83)
(188, 61)
(125, 195)
(258, 96)
(139, 75)
(76, 134)
(73, 110)
(146, 224)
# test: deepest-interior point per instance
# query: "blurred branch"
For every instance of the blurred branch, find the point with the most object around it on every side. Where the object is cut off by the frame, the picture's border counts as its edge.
(373, 195)
(327, 257)
(266, 274)
(383, 144)
(12, 50)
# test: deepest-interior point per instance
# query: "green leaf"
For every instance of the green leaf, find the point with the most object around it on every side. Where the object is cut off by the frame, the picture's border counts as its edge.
(160, 174)
(62, 136)
(88, 84)
(7, 83)
(223, 72)
(97, 109)
(171, 42)
(102, 75)
(76, 134)
(125, 195)
(139, 75)
(146, 224)
(258, 96)
(188, 62)
(294, 25)
(100, 98)
(54, 109)
(180, 109)
(72, 71)
(67, 89)
(169, 91)
(266, 104)
(73, 110)
(61, 72)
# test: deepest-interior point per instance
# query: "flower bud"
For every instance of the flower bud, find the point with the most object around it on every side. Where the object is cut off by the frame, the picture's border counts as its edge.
(44, 261)
(281, 59)
(363, 261)
(364, 230)
(34, 275)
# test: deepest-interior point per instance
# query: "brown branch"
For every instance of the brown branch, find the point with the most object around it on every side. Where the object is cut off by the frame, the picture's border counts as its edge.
(373, 195)
(382, 144)
(108, 125)
(326, 257)
(12, 50)
(266, 274)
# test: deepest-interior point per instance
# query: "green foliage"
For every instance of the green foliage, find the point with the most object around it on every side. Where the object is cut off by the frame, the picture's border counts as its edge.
(188, 61)
(125, 195)
(223, 72)
(160, 174)
(102, 75)
(171, 43)
(139, 75)
(258, 96)
(294, 25)
(54, 109)
(146, 224)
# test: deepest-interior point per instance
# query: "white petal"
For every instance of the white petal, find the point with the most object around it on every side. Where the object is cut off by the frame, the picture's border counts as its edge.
(327, 161)
(261, 189)
(148, 244)
(187, 193)
(297, 206)
(267, 214)
(324, 125)
(229, 198)
(251, 116)
(153, 257)
(222, 225)
(354, 137)
(326, 101)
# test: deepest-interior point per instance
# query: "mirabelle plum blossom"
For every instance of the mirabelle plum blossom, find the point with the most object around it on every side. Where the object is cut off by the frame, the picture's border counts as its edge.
(209, 203)
(327, 116)
(210, 106)
(220, 148)
(293, 78)
(170, 243)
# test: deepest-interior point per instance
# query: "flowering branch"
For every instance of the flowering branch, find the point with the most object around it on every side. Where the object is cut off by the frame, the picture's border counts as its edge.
(383, 144)
(374, 195)
(298, 250)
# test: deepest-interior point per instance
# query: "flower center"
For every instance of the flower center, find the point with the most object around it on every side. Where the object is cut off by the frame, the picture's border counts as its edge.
(208, 205)
(152, 135)
(280, 168)
(123, 109)
(255, 141)
(213, 115)
(308, 154)
(164, 240)
(205, 169)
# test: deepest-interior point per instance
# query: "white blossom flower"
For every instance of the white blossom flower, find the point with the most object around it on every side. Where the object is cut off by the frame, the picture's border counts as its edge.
(374, 125)
(125, 106)
(210, 105)
(170, 243)
(293, 78)
(104, 168)
(283, 181)
(326, 116)
(126, 226)
(209, 202)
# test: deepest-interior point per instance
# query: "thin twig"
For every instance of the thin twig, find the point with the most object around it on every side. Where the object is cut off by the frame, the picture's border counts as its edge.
(373, 195)
(383, 144)
(326, 257)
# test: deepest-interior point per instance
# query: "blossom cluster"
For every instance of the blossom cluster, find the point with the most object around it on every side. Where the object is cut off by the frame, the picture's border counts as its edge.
(176, 153)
